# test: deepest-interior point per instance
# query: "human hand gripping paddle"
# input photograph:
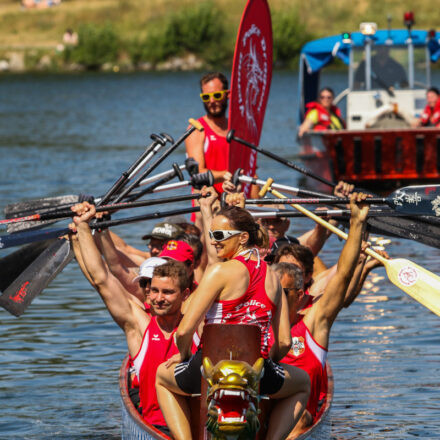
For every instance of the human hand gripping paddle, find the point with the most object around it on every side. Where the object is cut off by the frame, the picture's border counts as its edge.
(421, 228)
(414, 280)
(17, 297)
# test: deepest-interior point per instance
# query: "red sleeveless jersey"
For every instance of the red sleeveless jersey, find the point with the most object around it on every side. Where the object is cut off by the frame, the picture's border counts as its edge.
(216, 149)
(308, 355)
(155, 349)
(431, 116)
(254, 307)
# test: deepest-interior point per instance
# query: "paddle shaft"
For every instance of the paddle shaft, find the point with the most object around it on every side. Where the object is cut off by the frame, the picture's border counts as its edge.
(279, 159)
(328, 201)
(65, 213)
(151, 150)
(195, 126)
(414, 280)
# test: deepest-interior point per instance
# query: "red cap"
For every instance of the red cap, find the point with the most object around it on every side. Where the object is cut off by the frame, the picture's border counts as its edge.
(178, 250)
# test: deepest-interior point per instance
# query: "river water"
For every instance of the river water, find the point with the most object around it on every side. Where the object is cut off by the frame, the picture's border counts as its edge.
(59, 362)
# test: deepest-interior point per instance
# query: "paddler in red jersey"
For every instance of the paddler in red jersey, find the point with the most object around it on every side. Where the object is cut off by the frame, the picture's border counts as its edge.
(239, 288)
(150, 337)
(322, 114)
(209, 147)
(310, 330)
(431, 114)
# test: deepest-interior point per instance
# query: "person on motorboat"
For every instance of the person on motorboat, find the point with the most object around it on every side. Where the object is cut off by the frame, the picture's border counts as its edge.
(239, 289)
(322, 114)
(310, 329)
(150, 336)
(386, 72)
(431, 114)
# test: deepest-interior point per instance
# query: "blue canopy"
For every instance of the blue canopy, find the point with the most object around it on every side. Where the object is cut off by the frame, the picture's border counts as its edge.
(318, 53)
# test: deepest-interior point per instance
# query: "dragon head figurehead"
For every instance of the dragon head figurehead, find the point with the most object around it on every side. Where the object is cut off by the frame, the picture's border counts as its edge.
(233, 394)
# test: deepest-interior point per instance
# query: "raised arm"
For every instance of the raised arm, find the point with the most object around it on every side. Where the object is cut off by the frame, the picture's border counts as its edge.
(280, 327)
(105, 283)
(212, 283)
(206, 208)
(123, 273)
(320, 319)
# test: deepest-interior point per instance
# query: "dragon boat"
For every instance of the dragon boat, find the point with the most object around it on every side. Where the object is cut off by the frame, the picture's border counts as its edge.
(229, 406)
(379, 150)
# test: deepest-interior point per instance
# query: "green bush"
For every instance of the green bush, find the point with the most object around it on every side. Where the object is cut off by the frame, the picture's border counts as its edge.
(96, 46)
(199, 29)
(289, 35)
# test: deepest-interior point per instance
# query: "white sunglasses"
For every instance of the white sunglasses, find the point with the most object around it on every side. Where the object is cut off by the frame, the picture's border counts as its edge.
(221, 235)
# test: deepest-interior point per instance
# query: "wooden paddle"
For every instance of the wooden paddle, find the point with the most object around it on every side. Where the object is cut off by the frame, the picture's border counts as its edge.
(414, 280)
(384, 225)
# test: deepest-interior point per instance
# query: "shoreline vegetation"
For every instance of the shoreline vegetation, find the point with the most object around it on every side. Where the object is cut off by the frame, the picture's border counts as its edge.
(133, 35)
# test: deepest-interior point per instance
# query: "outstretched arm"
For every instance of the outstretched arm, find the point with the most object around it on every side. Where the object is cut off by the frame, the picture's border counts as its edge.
(320, 319)
(206, 207)
(106, 284)
(123, 273)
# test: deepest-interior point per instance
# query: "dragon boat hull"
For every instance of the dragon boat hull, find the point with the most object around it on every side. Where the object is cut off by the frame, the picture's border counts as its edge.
(134, 426)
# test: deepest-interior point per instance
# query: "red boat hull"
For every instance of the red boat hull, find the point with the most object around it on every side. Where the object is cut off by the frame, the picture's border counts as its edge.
(380, 160)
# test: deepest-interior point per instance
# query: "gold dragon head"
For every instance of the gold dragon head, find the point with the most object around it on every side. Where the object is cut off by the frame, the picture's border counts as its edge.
(233, 397)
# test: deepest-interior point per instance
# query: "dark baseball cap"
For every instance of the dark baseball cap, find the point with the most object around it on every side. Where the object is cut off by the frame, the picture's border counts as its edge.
(164, 231)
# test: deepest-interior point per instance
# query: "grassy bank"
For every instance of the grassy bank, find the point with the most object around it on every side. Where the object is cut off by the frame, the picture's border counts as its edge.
(136, 31)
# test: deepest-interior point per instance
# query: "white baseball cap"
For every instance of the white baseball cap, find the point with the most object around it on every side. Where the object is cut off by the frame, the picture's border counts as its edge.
(146, 269)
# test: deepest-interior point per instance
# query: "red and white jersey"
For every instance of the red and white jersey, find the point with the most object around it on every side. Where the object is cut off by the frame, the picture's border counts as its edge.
(308, 355)
(253, 307)
(155, 349)
(216, 149)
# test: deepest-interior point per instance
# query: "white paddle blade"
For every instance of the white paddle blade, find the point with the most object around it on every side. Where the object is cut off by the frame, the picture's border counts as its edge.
(417, 282)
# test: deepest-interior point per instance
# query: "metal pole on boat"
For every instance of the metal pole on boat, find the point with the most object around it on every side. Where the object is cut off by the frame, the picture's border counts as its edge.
(410, 62)
(368, 63)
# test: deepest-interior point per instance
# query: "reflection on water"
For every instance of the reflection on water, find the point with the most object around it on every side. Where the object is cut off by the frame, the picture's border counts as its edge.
(59, 362)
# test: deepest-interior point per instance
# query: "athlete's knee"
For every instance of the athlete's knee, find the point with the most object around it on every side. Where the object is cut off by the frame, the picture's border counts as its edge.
(161, 375)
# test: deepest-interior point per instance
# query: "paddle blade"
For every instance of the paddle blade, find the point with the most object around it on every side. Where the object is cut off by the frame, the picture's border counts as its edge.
(36, 277)
(26, 207)
(417, 282)
(40, 206)
(416, 200)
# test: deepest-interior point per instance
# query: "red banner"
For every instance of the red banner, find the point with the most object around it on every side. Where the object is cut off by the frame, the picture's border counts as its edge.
(250, 83)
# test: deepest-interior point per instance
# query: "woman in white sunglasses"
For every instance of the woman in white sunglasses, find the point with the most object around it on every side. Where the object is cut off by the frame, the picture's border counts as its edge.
(241, 289)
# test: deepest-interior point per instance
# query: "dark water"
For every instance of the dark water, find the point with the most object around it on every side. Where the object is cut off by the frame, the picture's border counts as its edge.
(59, 362)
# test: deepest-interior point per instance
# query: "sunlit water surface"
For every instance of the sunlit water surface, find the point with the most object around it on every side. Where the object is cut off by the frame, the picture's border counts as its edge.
(59, 362)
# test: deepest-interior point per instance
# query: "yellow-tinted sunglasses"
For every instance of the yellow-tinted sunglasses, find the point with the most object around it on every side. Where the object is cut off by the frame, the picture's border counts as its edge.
(218, 96)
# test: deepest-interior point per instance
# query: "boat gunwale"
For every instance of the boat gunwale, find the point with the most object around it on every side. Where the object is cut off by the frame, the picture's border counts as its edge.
(143, 425)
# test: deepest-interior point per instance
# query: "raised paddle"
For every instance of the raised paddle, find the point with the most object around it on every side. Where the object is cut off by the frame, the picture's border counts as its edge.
(25, 237)
(195, 125)
(231, 137)
(414, 280)
(410, 200)
(18, 295)
(423, 229)
(31, 282)
(67, 212)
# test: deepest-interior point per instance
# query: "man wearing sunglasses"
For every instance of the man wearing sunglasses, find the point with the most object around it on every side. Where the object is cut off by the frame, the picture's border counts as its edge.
(209, 147)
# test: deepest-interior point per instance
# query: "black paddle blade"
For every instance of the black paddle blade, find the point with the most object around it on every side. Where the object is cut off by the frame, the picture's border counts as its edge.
(29, 207)
(34, 279)
(416, 200)
(15, 263)
(26, 207)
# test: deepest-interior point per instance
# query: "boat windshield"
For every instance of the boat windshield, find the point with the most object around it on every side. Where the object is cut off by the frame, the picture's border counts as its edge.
(389, 67)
